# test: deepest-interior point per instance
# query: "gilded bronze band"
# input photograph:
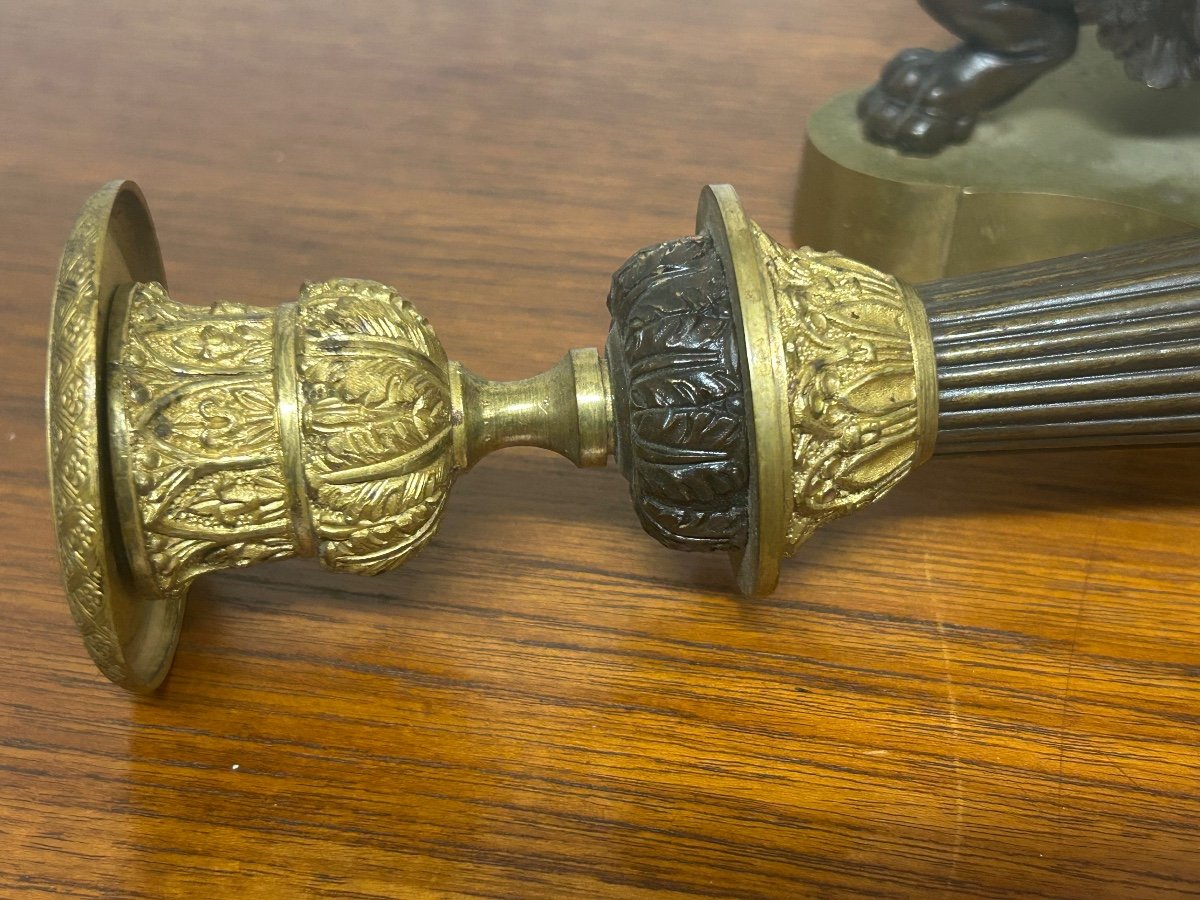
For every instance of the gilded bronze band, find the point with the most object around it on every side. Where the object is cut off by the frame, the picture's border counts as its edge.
(610, 434)
(289, 404)
(924, 370)
(121, 439)
(721, 217)
(592, 402)
(458, 418)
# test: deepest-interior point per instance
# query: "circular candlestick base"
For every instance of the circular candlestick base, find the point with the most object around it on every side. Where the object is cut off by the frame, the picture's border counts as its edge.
(130, 628)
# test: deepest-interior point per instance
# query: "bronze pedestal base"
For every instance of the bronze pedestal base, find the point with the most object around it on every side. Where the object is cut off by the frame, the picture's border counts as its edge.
(1083, 159)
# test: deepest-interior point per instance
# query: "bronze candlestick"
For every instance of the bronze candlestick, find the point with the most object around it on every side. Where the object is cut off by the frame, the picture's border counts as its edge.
(748, 392)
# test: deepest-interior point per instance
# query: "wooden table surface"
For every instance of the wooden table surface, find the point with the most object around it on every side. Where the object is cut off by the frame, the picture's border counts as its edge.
(988, 684)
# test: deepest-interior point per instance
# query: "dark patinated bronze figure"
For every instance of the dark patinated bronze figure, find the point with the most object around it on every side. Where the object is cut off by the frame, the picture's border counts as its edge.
(925, 99)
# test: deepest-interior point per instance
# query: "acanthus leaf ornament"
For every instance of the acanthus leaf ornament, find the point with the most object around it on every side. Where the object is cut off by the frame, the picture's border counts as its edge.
(860, 381)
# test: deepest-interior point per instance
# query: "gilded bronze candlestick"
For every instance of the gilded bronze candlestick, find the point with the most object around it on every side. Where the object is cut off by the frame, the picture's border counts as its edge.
(749, 393)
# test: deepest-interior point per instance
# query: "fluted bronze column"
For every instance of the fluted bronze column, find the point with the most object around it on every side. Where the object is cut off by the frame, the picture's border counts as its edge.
(1093, 350)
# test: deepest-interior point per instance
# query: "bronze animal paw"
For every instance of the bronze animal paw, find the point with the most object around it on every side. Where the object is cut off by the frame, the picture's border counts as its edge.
(918, 105)
(927, 100)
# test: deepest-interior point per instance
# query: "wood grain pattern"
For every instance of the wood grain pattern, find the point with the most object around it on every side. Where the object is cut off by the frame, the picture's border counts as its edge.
(987, 685)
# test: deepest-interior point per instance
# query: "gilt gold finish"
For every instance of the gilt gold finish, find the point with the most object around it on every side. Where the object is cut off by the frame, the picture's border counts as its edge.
(749, 393)
(245, 434)
(842, 384)
(567, 409)
(129, 630)
(331, 427)
(861, 381)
